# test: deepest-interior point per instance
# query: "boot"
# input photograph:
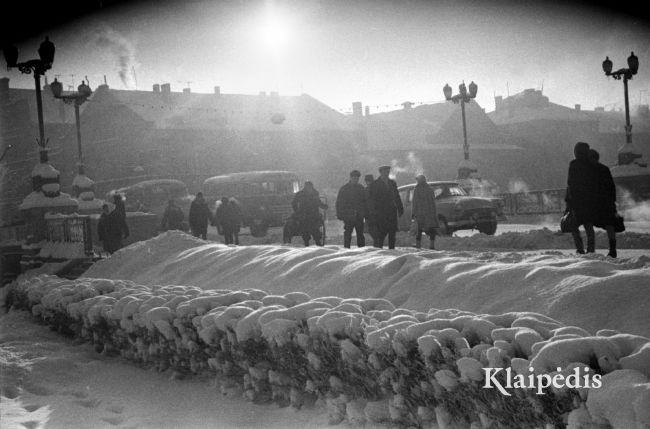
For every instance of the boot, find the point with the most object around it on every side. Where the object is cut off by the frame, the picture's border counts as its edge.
(612, 248)
(577, 240)
(418, 244)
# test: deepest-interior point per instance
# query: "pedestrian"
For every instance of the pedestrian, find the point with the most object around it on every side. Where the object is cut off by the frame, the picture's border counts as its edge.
(370, 225)
(351, 208)
(118, 200)
(172, 217)
(386, 207)
(306, 204)
(199, 217)
(424, 211)
(228, 220)
(606, 208)
(582, 196)
(111, 229)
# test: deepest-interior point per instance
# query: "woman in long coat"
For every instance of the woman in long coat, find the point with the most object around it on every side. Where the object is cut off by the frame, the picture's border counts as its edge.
(424, 211)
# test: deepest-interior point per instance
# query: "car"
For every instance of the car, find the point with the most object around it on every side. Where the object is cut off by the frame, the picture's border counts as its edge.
(456, 209)
(152, 196)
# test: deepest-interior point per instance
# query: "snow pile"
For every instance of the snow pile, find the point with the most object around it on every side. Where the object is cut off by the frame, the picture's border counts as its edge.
(38, 199)
(540, 239)
(370, 362)
(62, 250)
(575, 290)
(16, 416)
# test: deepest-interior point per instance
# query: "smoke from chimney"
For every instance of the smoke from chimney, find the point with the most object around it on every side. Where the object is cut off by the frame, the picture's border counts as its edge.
(122, 50)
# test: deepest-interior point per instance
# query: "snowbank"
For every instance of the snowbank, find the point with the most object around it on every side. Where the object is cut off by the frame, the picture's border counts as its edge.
(574, 290)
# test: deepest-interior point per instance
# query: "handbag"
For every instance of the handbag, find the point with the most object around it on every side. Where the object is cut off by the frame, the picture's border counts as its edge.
(568, 222)
(619, 226)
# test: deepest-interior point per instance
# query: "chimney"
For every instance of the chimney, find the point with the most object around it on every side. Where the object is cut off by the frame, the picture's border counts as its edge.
(498, 102)
(156, 87)
(217, 90)
(357, 109)
(186, 90)
(578, 107)
(166, 88)
(407, 105)
(4, 89)
(599, 109)
(367, 110)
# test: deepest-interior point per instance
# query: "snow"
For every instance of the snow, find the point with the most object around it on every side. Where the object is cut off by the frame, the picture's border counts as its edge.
(37, 199)
(45, 170)
(576, 290)
(82, 181)
(65, 384)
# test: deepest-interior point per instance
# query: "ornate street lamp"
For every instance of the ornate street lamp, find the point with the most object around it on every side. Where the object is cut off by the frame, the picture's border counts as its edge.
(37, 67)
(77, 99)
(627, 154)
(465, 168)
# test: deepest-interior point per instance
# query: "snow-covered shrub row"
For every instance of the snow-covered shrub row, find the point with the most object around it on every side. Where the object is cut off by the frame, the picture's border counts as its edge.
(370, 362)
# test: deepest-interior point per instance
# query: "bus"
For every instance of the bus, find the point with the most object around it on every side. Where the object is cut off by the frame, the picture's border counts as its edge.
(264, 196)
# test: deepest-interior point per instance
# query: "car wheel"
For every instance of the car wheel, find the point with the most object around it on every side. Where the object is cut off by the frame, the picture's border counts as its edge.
(259, 228)
(443, 226)
(489, 228)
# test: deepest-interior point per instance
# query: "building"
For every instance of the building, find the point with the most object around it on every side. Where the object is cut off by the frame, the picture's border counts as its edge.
(136, 135)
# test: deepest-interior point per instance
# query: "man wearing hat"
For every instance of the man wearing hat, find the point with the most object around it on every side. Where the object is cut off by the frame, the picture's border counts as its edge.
(386, 206)
(351, 209)
(306, 204)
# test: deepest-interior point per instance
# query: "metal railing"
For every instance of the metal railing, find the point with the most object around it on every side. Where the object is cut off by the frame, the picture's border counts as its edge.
(71, 229)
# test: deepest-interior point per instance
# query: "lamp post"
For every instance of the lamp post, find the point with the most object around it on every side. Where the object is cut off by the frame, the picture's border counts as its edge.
(464, 96)
(37, 67)
(77, 99)
(627, 154)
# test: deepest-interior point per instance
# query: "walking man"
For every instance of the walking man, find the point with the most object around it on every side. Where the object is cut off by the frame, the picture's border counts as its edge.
(199, 217)
(173, 217)
(111, 229)
(582, 196)
(351, 208)
(424, 211)
(606, 206)
(306, 204)
(227, 220)
(386, 206)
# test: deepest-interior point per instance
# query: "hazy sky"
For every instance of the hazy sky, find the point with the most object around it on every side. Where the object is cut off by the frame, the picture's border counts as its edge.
(377, 52)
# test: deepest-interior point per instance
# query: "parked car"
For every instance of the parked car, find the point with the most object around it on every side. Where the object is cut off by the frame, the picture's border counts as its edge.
(456, 209)
(152, 196)
(264, 196)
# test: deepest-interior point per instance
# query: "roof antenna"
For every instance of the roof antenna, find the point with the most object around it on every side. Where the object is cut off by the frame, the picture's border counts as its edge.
(135, 80)
(105, 81)
(507, 89)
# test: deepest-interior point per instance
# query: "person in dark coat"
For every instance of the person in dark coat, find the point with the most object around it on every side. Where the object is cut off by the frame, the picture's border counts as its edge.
(424, 211)
(119, 204)
(606, 212)
(199, 217)
(582, 195)
(228, 220)
(351, 208)
(112, 228)
(370, 225)
(387, 207)
(172, 217)
(306, 204)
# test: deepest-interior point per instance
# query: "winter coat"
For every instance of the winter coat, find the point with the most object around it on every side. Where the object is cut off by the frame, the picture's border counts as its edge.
(606, 207)
(386, 205)
(112, 228)
(199, 215)
(424, 207)
(172, 218)
(582, 193)
(351, 203)
(306, 205)
(228, 217)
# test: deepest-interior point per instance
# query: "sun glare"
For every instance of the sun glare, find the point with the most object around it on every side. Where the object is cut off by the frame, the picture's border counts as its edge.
(275, 31)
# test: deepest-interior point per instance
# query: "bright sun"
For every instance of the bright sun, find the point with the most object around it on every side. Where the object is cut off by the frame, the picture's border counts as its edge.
(274, 31)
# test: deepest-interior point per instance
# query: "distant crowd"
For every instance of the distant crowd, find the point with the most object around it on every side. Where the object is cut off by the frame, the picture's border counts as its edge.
(376, 207)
